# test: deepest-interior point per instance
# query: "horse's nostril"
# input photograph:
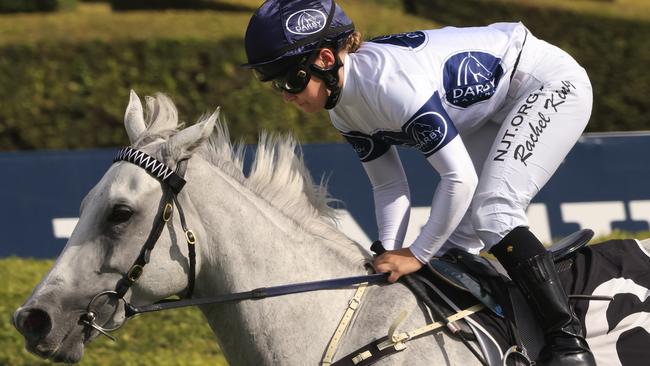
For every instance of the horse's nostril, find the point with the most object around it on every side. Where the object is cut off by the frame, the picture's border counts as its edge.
(34, 323)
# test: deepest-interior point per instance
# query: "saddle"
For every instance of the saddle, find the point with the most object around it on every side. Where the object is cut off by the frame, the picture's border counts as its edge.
(463, 270)
(467, 278)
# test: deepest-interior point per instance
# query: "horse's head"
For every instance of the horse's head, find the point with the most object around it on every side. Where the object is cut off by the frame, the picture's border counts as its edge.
(116, 219)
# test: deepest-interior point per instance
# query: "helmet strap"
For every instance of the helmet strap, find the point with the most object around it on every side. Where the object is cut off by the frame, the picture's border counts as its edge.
(330, 76)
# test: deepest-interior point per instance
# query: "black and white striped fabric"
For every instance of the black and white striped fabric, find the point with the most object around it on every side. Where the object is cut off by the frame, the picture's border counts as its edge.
(153, 166)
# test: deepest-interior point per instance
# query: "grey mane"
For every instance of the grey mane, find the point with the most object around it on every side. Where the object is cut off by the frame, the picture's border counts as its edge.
(278, 173)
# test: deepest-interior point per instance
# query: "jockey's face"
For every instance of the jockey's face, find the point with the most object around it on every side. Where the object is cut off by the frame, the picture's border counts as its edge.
(313, 98)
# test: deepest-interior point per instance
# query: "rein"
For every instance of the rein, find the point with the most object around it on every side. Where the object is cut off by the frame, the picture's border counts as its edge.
(172, 183)
(260, 293)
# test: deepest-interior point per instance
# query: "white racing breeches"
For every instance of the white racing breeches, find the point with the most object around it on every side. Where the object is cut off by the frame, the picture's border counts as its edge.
(518, 150)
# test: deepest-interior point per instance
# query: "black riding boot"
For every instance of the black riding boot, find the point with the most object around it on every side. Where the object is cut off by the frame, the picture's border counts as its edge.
(533, 270)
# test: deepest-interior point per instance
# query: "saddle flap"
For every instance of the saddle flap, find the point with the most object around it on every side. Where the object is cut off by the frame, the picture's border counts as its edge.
(455, 275)
(473, 263)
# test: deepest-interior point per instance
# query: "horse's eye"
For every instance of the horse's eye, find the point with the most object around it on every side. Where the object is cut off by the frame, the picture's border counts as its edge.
(119, 214)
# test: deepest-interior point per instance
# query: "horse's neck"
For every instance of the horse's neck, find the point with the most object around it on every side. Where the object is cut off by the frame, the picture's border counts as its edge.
(253, 240)
(252, 244)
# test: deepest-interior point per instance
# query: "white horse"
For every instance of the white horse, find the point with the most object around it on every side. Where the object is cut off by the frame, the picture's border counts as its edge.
(273, 227)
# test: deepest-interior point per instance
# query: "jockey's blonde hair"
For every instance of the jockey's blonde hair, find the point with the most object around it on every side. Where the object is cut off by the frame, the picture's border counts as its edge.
(353, 42)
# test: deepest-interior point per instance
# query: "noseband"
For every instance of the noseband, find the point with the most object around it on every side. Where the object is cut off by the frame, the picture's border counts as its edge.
(172, 182)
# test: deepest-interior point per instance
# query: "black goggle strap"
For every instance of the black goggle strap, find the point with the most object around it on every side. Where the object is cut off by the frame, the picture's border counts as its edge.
(303, 67)
(304, 77)
(330, 77)
(287, 81)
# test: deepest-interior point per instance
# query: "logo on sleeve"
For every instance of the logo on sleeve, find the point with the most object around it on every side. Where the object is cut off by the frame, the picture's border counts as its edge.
(471, 77)
(428, 131)
(307, 21)
(363, 145)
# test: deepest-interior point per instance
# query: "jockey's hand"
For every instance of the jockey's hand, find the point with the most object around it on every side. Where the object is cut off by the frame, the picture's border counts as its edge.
(398, 262)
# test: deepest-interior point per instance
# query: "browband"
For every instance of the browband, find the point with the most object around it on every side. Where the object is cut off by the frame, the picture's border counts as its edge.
(153, 166)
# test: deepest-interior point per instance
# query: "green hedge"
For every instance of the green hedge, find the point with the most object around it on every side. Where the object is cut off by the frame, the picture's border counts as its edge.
(74, 95)
(15, 6)
(65, 78)
(155, 4)
(64, 89)
(123, 5)
(614, 51)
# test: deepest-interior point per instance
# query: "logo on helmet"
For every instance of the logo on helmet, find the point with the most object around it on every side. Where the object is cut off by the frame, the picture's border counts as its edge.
(307, 21)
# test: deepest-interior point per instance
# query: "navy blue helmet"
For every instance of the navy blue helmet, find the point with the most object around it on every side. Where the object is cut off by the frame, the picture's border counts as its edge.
(282, 32)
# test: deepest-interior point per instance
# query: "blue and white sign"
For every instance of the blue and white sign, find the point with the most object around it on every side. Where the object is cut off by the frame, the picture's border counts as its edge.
(602, 185)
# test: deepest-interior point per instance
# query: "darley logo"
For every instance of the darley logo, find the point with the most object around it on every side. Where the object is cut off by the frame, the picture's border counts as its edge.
(471, 77)
(306, 21)
(361, 143)
(428, 131)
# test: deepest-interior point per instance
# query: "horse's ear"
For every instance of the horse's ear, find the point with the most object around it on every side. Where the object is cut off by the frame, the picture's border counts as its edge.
(190, 138)
(134, 118)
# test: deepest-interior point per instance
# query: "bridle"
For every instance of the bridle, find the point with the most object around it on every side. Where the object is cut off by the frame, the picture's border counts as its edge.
(172, 183)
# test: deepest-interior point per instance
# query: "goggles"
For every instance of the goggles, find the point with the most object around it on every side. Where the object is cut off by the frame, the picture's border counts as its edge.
(293, 82)
(291, 75)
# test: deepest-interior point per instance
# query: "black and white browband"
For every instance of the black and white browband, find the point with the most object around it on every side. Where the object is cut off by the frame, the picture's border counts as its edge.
(153, 166)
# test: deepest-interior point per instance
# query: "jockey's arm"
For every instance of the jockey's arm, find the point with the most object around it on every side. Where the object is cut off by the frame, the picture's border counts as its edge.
(452, 198)
(392, 197)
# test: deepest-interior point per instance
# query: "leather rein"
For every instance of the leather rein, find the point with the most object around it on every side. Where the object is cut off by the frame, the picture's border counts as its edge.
(172, 183)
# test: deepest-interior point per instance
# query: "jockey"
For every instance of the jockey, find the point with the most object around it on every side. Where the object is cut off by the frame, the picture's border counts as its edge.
(493, 109)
